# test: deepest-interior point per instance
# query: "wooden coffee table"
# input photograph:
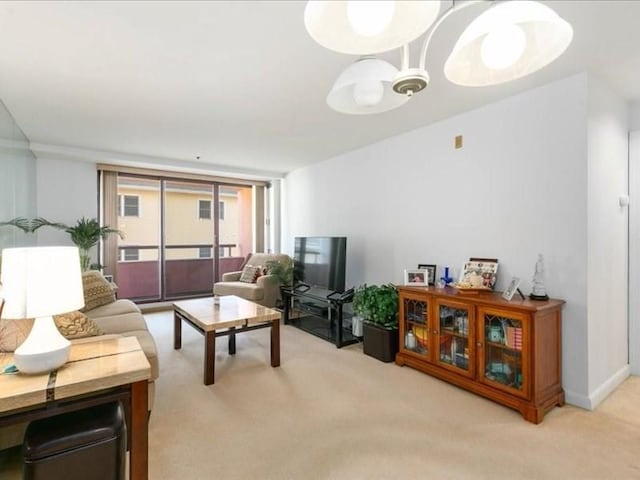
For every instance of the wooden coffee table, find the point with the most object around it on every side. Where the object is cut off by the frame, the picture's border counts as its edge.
(225, 316)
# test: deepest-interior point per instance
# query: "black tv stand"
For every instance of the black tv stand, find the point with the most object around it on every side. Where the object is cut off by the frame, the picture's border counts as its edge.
(320, 312)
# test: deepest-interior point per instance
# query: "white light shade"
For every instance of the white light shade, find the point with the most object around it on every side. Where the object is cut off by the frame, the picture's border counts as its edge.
(361, 84)
(329, 24)
(39, 282)
(547, 37)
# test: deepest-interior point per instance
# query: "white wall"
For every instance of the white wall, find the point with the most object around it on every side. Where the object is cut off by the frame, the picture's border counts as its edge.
(634, 116)
(607, 127)
(17, 181)
(516, 189)
(67, 191)
(634, 239)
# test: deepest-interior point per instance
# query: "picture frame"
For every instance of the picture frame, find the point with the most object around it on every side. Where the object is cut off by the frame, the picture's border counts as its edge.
(511, 289)
(416, 278)
(431, 270)
(486, 268)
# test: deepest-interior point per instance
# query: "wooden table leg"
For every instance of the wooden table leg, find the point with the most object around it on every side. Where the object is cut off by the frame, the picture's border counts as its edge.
(232, 341)
(275, 343)
(139, 448)
(177, 331)
(209, 357)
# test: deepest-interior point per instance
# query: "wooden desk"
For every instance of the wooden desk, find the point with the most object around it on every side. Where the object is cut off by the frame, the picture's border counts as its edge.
(97, 372)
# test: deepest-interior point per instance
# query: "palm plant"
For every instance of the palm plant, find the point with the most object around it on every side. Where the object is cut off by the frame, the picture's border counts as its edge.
(85, 234)
(18, 222)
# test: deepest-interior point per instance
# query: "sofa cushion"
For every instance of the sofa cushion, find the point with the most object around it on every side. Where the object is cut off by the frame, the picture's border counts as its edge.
(13, 333)
(97, 290)
(122, 323)
(248, 291)
(76, 325)
(118, 307)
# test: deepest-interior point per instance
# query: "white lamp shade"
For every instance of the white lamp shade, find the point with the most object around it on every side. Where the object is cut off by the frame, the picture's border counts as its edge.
(329, 24)
(41, 281)
(366, 87)
(546, 36)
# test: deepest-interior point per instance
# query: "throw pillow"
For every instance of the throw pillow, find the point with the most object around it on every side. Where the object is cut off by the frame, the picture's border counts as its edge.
(76, 325)
(249, 274)
(13, 333)
(97, 291)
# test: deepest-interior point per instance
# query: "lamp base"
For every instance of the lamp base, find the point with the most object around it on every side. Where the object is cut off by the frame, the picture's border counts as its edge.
(44, 350)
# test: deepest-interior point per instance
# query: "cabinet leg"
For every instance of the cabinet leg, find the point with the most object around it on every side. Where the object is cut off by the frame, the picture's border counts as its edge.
(532, 414)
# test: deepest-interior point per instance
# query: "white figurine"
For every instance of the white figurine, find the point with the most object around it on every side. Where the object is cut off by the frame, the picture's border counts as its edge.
(539, 292)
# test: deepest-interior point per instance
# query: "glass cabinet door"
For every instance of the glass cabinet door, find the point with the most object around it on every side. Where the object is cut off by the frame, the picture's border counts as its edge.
(455, 337)
(504, 363)
(414, 326)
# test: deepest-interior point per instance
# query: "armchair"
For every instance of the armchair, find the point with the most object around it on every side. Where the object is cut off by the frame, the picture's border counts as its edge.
(265, 290)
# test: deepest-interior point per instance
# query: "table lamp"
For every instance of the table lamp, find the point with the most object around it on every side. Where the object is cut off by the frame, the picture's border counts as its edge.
(38, 282)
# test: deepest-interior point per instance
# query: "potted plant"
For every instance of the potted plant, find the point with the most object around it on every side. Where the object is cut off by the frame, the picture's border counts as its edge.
(378, 305)
(282, 270)
(85, 234)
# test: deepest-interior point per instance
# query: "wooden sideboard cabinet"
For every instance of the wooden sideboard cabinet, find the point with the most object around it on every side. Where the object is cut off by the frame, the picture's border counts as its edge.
(507, 351)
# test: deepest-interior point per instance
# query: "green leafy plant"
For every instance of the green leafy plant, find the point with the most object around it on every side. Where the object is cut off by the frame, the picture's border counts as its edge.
(19, 222)
(282, 270)
(85, 234)
(377, 304)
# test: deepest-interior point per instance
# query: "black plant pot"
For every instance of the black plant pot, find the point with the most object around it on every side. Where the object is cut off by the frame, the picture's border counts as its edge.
(380, 343)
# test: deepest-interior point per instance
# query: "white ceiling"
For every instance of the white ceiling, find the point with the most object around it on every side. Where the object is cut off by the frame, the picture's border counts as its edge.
(240, 84)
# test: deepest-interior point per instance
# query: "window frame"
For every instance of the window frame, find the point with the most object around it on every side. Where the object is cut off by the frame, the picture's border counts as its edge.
(122, 205)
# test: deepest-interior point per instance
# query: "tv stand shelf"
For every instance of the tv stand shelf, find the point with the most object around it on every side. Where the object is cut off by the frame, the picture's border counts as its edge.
(319, 312)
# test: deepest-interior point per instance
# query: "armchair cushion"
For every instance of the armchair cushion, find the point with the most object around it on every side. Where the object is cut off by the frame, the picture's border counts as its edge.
(250, 273)
(265, 290)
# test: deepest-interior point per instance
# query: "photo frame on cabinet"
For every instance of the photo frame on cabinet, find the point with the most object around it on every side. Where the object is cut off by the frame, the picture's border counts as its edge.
(480, 272)
(431, 270)
(416, 277)
(511, 289)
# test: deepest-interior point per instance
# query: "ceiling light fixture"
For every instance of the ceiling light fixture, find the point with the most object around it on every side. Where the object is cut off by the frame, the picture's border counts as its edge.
(508, 41)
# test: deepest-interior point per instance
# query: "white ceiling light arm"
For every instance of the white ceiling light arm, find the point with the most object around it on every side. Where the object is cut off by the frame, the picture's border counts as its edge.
(456, 7)
(412, 80)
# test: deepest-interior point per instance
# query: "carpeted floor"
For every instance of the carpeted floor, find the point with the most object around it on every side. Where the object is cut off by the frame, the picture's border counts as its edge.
(330, 413)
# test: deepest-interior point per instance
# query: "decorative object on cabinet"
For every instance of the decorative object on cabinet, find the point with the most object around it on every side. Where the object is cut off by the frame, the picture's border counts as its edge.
(511, 289)
(509, 352)
(479, 272)
(378, 305)
(538, 291)
(416, 277)
(446, 279)
(431, 272)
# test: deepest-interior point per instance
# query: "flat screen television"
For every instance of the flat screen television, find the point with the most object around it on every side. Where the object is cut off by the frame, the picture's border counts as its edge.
(320, 262)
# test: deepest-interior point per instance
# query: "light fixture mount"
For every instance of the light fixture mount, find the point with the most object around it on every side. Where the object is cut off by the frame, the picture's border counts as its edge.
(410, 81)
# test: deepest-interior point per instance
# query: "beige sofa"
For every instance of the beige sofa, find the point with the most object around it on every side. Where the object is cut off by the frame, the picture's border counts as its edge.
(266, 288)
(119, 318)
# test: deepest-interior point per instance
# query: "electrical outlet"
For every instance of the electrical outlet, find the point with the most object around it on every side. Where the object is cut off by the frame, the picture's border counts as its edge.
(458, 141)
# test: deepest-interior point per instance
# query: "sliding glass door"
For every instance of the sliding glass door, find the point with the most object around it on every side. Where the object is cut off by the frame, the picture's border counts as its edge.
(180, 236)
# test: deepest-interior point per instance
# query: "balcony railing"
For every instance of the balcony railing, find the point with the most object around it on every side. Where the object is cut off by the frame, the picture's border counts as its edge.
(140, 279)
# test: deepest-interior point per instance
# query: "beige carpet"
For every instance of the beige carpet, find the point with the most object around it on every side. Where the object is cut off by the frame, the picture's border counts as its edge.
(330, 413)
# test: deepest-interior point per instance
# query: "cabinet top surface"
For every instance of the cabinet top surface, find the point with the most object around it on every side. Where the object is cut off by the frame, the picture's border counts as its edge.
(486, 298)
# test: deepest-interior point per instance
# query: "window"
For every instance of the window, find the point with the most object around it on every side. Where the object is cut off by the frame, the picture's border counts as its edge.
(221, 212)
(204, 252)
(129, 255)
(129, 205)
(204, 209)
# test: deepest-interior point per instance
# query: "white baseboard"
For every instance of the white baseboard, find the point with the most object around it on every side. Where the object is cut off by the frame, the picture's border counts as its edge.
(596, 397)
